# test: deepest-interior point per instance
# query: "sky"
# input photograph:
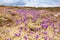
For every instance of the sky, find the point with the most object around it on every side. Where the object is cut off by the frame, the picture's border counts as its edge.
(32, 3)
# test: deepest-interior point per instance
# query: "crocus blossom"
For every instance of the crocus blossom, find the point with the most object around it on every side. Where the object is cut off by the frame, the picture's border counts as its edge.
(17, 34)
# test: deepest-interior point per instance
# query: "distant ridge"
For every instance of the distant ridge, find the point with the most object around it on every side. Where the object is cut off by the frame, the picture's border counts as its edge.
(55, 9)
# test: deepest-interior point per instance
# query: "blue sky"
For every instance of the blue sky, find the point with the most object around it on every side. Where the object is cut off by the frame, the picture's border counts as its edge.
(33, 3)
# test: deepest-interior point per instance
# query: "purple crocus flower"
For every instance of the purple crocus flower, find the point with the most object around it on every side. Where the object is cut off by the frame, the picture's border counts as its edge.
(18, 34)
(59, 25)
(25, 37)
(31, 32)
(33, 12)
(52, 24)
(22, 11)
(45, 32)
(46, 37)
(17, 21)
(34, 19)
(37, 36)
(21, 27)
(26, 28)
(37, 29)
(59, 30)
(44, 25)
(8, 39)
(25, 19)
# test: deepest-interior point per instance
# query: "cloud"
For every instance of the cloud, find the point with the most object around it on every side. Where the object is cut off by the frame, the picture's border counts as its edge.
(38, 3)
(12, 2)
(42, 3)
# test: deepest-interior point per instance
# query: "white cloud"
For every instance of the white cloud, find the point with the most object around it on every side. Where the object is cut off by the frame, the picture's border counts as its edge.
(36, 3)
(9, 1)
